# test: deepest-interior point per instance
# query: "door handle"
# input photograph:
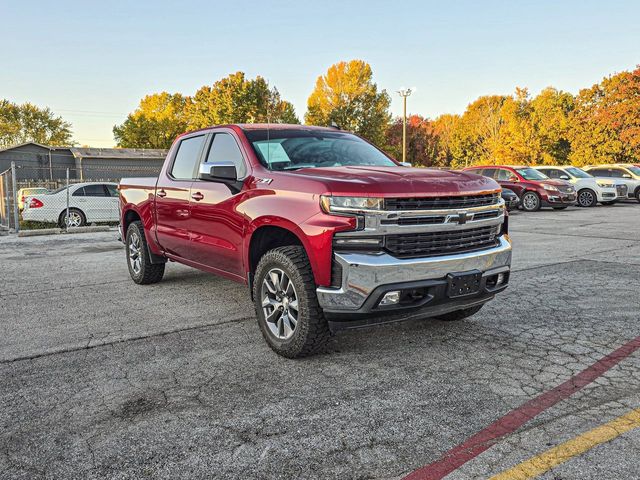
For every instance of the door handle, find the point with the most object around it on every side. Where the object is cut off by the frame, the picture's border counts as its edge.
(161, 193)
(197, 196)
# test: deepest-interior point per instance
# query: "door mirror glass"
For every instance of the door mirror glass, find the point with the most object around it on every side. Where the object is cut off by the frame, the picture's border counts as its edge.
(224, 171)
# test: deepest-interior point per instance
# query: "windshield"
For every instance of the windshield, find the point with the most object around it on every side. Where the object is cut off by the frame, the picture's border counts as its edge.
(634, 170)
(531, 174)
(280, 149)
(578, 173)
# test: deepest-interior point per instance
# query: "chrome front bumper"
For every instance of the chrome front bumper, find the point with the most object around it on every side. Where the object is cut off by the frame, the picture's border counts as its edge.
(362, 273)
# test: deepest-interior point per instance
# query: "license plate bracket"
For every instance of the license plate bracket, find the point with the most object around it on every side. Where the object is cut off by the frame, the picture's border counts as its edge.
(463, 283)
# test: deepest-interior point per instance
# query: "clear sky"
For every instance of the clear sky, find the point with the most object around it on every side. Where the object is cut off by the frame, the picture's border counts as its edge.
(92, 61)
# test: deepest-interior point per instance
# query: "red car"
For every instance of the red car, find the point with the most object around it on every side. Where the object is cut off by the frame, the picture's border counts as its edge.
(534, 188)
(326, 230)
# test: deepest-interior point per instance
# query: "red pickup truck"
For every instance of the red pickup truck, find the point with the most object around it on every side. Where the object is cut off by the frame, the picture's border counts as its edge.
(326, 230)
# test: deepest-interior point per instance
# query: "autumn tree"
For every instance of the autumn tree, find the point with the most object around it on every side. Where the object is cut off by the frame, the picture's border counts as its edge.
(157, 121)
(605, 123)
(444, 127)
(422, 141)
(28, 123)
(477, 136)
(519, 143)
(236, 99)
(347, 96)
(550, 113)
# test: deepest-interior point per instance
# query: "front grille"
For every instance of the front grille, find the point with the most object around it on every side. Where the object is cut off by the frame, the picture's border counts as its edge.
(442, 243)
(566, 189)
(622, 190)
(433, 203)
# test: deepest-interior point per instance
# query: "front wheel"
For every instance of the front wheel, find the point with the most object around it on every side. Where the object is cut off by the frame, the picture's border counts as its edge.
(459, 314)
(290, 319)
(587, 198)
(531, 202)
(142, 271)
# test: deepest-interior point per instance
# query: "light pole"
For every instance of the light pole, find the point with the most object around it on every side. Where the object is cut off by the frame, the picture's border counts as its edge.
(404, 93)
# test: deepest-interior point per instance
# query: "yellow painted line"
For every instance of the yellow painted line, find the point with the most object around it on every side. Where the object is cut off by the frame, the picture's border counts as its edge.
(577, 446)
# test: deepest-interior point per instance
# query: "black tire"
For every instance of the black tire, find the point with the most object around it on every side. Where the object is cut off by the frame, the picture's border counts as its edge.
(75, 212)
(311, 330)
(459, 314)
(608, 203)
(637, 194)
(530, 202)
(587, 198)
(147, 272)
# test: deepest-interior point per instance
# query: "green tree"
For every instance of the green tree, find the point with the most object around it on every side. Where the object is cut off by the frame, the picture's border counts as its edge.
(157, 121)
(235, 99)
(28, 123)
(605, 123)
(347, 96)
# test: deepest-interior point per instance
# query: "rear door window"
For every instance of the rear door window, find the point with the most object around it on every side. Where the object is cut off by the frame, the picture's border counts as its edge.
(187, 157)
(97, 190)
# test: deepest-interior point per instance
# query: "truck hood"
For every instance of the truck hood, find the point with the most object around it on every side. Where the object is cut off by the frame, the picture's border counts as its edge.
(368, 181)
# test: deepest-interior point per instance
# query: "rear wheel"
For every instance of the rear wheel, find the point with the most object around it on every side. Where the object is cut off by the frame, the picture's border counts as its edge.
(76, 218)
(587, 198)
(637, 194)
(459, 314)
(289, 317)
(531, 202)
(142, 271)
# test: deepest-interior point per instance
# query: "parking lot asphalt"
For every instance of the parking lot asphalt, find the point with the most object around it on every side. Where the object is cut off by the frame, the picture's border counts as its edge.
(101, 378)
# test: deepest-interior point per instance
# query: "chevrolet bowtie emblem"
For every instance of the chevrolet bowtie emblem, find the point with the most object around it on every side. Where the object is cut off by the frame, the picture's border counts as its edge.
(463, 217)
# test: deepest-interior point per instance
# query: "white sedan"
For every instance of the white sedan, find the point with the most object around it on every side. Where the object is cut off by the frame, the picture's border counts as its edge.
(88, 202)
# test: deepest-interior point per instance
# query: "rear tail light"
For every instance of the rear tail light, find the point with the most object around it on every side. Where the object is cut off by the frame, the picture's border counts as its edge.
(35, 203)
(22, 199)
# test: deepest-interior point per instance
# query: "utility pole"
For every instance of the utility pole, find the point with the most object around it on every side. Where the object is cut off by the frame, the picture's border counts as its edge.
(404, 93)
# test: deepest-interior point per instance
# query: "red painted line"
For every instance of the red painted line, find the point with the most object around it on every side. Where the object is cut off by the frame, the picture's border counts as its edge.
(484, 439)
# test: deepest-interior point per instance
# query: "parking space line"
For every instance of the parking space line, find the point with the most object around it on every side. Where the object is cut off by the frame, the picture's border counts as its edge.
(509, 423)
(576, 446)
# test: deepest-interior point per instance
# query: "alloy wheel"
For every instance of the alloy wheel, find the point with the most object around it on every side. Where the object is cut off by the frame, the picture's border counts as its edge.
(135, 258)
(585, 199)
(74, 219)
(279, 304)
(530, 201)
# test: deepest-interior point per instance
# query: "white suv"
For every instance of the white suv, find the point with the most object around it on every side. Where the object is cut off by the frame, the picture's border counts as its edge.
(620, 172)
(590, 190)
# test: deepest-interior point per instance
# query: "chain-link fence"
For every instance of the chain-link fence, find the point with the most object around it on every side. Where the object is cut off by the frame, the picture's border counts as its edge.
(36, 197)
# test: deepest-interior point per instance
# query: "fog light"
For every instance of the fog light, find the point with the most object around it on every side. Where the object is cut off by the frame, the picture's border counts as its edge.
(390, 298)
(500, 279)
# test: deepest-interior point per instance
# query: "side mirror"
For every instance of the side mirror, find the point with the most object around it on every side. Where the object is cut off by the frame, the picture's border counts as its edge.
(513, 179)
(224, 172)
(564, 177)
(405, 164)
(626, 175)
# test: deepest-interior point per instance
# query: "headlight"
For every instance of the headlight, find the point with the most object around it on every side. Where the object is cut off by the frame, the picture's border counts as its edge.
(605, 184)
(331, 204)
(551, 188)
